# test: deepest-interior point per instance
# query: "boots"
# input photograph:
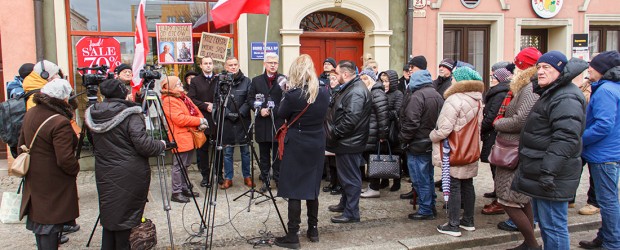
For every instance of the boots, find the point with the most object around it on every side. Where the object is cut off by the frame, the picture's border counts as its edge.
(290, 240)
(313, 233)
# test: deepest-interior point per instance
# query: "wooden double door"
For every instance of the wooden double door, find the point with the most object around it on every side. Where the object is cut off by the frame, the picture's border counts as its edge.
(320, 48)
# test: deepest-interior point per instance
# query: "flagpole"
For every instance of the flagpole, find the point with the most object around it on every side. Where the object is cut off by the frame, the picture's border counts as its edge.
(265, 42)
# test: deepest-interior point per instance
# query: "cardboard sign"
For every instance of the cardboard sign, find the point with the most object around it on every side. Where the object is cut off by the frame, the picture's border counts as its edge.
(257, 49)
(214, 46)
(174, 43)
(99, 51)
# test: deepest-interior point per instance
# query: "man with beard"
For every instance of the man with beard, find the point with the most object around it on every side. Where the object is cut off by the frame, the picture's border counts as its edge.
(202, 93)
(266, 121)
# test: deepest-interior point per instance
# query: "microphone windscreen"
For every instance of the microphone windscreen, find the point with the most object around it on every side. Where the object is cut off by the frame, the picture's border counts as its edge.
(282, 81)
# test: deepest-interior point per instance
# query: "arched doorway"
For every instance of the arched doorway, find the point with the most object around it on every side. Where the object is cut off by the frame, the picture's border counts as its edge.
(331, 34)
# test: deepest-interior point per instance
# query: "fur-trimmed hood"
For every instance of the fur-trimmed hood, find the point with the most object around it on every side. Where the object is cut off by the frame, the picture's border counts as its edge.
(477, 87)
(105, 116)
(522, 79)
(55, 104)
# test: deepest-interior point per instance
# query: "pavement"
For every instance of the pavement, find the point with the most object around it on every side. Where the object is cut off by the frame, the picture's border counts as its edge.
(384, 223)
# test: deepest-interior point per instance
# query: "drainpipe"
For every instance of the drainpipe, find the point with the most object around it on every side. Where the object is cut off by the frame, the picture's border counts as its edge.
(409, 46)
(38, 29)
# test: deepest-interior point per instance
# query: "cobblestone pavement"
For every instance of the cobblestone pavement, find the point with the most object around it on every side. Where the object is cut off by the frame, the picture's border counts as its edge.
(384, 220)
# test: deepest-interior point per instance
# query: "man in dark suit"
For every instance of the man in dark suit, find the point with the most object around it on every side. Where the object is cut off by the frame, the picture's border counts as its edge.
(264, 97)
(202, 93)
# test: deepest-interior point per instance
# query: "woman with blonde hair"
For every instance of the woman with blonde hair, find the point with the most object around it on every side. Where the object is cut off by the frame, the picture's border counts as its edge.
(304, 107)
(182, 115)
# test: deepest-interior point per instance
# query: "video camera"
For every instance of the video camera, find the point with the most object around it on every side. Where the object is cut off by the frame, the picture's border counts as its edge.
(149, 74)
(92, 81)
(226, 79)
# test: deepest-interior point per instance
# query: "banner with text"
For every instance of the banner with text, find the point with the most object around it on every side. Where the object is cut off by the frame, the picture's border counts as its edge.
(174, 43)
(257, 49)
(214, 46)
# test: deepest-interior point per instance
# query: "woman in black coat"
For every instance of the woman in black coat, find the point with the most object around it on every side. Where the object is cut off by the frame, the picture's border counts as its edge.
(122, 171)
(301, 168)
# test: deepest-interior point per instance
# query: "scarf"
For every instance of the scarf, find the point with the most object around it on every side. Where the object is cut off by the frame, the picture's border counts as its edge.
(270, 80)
(189, 104)
(445, 169)
(502, 109)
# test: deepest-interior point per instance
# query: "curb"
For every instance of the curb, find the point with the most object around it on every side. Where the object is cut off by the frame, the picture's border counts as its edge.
(480, 238)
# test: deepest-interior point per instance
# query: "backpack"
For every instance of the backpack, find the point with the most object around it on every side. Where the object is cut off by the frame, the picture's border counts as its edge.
(11, 117)
(14, 88)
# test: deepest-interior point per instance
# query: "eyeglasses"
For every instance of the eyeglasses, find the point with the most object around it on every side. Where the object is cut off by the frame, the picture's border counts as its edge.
(272, 63)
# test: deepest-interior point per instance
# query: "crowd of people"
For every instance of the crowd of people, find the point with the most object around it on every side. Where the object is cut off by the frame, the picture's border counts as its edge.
(556, 121)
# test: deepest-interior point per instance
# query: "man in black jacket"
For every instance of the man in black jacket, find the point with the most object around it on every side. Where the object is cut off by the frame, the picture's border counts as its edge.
(550, 146)
(444, 79)
(404, 80)
(347, 133)
(202, 93)
(328, 65)
(418, 118)
(264, 97)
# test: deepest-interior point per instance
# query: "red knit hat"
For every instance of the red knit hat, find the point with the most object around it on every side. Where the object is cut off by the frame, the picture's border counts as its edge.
(527, 58)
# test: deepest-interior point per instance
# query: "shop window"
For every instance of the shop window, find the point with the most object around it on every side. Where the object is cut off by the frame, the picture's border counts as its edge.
(468, 43)
(604, 38)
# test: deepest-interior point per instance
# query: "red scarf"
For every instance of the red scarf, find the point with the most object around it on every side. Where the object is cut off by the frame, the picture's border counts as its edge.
(502, 109)
(189, 104)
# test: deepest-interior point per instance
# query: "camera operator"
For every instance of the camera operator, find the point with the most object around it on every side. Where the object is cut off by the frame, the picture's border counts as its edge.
(202, 93)
(236, 120)
(266, 88)
(122, 148)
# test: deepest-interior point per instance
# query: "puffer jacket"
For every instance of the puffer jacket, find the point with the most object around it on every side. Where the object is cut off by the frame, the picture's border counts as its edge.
(378, 123)
(235, 131)
(33, 82)
(348, 118)
(550, 146)
(395, 96)
(122, 147)
(441, 84)
(180, 119)
(492, 101)
(601, 139)
(463, 104)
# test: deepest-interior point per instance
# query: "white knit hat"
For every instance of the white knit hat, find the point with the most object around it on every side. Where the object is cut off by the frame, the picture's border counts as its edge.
(50, 67)
(57, 88)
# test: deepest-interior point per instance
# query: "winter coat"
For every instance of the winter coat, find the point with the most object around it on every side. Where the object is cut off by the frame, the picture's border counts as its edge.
(441, 84)
(265, 128)
(180, 119)
(419, 117)
(509, 128)
(402, 84)
(462, 105)
(200, 91)
(50, 190)
(601, 139)
(348, 118)
(301, 167)
(235, 130)
(122, 171)
(550, 145)
(395, 102)
(324, 79)
(33, 82)
(492, 101)
(378, 123)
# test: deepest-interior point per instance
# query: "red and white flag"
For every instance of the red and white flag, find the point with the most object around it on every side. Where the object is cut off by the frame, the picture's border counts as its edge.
(141, 47)
(225, 12)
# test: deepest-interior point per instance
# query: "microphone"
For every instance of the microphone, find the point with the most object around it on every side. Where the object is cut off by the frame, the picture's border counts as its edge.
(258, 101)
(282, 81)
(271, 104)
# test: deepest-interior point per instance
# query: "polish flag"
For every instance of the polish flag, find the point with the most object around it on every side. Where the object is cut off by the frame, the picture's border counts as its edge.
(225, 12)
(141, 47)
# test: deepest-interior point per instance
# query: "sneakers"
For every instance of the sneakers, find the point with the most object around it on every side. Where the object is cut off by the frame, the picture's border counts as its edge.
(469, 226)
(371, 193)
(589, 210)
(449, 230)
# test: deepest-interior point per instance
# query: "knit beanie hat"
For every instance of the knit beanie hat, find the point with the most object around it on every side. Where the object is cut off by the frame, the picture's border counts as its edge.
(50, 67)
(605, 61)
(527, 58)
(57, 88)
(465, 74)
(418, 61)
(330, 61)
(418, 78)
(406, 67)
(25, 69)
(370, 73)
(556, 59)
(502, 75)
(113, 88)
(499, 65)
(511, 67)
(448, 63)
(122, 67)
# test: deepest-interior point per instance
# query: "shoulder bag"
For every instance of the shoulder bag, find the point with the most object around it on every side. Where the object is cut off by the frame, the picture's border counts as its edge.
(504, 153)
(199, 137)
(21, 164)
(384, 166)
(465, 143)
(281, 133)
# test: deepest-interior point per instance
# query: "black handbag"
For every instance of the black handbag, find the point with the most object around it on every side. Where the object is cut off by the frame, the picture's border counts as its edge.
(384, 166)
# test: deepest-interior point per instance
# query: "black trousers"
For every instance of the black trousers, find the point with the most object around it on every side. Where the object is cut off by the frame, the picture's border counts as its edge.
(333, 172)
(351, 182)
(202, 155)
(47, 241)
(268, 153)
(294, 214)
(118, 240)
(461, 191)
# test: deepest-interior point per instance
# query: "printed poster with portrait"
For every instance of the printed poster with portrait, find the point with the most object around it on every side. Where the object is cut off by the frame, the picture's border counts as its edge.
(174, 43)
